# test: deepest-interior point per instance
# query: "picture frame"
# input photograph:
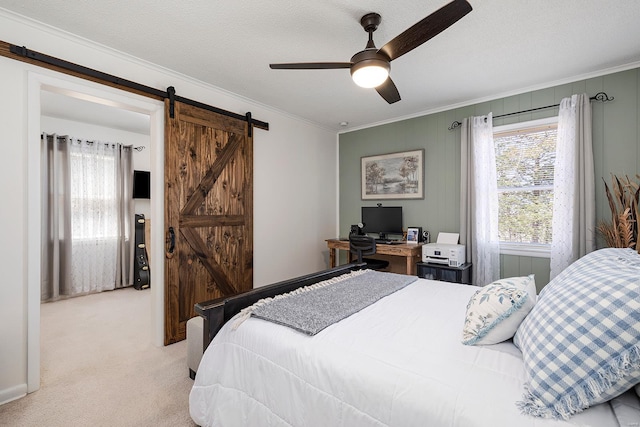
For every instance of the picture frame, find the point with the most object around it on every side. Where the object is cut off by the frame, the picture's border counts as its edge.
(393, 176)
(413, 235)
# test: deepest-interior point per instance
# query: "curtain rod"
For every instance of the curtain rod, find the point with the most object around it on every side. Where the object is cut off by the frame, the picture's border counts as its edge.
(90, 142)
(600, 96)
(137, 148)
(31, 56)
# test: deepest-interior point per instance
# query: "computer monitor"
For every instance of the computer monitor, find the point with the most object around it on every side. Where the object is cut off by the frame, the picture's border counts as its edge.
(382, 220)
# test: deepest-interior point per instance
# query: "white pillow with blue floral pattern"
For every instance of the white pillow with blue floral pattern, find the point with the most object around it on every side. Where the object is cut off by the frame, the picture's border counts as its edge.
(495, 311)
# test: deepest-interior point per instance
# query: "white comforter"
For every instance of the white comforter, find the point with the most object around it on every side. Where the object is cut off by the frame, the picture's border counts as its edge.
(399, 362)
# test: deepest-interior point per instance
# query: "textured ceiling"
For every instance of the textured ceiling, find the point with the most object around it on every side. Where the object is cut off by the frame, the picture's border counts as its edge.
(501, 47)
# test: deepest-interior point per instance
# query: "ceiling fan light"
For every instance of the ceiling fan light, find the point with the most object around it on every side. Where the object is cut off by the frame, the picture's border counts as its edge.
(370, 73)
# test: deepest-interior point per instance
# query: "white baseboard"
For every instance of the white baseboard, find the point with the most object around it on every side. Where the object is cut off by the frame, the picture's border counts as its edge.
(13, 393)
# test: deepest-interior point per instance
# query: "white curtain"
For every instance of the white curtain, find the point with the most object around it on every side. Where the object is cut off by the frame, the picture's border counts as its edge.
(87, 217)
(479, 199)
(574, 185)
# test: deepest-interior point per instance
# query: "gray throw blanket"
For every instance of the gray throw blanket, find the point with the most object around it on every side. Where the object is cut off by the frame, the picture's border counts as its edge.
(313, 308)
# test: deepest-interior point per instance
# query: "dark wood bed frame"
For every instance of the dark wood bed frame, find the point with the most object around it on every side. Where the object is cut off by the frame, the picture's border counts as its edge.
(218, 311)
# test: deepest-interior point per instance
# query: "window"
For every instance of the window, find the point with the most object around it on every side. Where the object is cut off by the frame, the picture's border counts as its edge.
(525, 158)
(94, 204)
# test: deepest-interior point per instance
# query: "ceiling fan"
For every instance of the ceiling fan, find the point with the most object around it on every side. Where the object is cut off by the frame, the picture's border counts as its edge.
(370, 67)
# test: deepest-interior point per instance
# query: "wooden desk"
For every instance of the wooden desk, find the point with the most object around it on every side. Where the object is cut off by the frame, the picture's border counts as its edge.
(412, 253)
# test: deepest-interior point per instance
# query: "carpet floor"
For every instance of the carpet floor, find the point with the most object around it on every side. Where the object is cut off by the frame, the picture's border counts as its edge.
(100, 368)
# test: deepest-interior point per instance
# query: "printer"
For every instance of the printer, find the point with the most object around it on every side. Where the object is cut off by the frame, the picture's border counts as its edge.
(445, 250)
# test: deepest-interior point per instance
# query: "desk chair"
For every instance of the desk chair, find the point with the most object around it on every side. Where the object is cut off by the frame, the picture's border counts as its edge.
(365, 245)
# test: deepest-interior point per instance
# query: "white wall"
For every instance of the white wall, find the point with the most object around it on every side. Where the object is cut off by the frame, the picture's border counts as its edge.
(13, 327)
(295, 178)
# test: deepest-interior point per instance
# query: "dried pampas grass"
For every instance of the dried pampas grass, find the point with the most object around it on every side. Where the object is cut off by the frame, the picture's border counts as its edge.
(622, 231)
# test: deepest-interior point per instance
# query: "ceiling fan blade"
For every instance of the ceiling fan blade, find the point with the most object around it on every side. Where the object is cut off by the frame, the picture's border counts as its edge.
(310, 66)
(388, 91)
(426, 29)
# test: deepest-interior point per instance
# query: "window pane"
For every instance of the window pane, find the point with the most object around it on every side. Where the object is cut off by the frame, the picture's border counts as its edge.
(93, 192)
(525, 216)
(525, 161)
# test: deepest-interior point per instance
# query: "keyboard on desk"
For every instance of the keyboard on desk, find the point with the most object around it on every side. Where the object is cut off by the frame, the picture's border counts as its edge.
(388, 242)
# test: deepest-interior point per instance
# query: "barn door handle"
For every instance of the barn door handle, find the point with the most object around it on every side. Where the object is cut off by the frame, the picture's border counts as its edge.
(172, 242)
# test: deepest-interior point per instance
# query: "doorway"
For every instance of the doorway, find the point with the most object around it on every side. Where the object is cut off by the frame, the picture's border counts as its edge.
(82, 96)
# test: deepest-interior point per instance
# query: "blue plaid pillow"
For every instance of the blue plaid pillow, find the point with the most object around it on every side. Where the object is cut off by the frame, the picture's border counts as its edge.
(581, 341)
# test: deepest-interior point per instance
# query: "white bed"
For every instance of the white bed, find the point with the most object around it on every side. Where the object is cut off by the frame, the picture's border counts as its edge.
(398, 362)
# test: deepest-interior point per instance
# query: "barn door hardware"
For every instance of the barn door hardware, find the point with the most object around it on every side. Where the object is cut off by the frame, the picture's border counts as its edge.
(171, 94)
(250, 124)
(24, 54)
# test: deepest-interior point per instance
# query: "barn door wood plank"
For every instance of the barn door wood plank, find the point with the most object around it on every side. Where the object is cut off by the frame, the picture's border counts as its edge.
(209, 207)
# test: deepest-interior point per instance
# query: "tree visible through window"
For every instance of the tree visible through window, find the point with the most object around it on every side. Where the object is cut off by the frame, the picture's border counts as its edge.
(525, 158)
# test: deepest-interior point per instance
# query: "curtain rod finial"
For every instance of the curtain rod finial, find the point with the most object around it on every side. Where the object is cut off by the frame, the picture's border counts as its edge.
(602, 97)
(454, 125)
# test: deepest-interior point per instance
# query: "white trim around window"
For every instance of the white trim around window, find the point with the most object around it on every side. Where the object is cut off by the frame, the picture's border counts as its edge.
(525, 249)
(523, 126)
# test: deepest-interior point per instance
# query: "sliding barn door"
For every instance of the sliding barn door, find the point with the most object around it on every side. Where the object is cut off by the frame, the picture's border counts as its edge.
(208, 211)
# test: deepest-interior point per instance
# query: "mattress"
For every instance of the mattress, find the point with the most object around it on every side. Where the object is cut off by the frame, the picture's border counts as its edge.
(398, 362)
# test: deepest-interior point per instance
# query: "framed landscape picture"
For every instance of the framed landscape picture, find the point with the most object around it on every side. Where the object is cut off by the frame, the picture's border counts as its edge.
(393, 176)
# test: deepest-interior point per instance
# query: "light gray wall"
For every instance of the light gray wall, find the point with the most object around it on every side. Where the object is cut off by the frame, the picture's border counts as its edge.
(616, 146)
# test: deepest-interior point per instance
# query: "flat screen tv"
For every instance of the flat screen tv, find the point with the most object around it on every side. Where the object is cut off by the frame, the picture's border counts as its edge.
(141, 184)
(382, 220)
